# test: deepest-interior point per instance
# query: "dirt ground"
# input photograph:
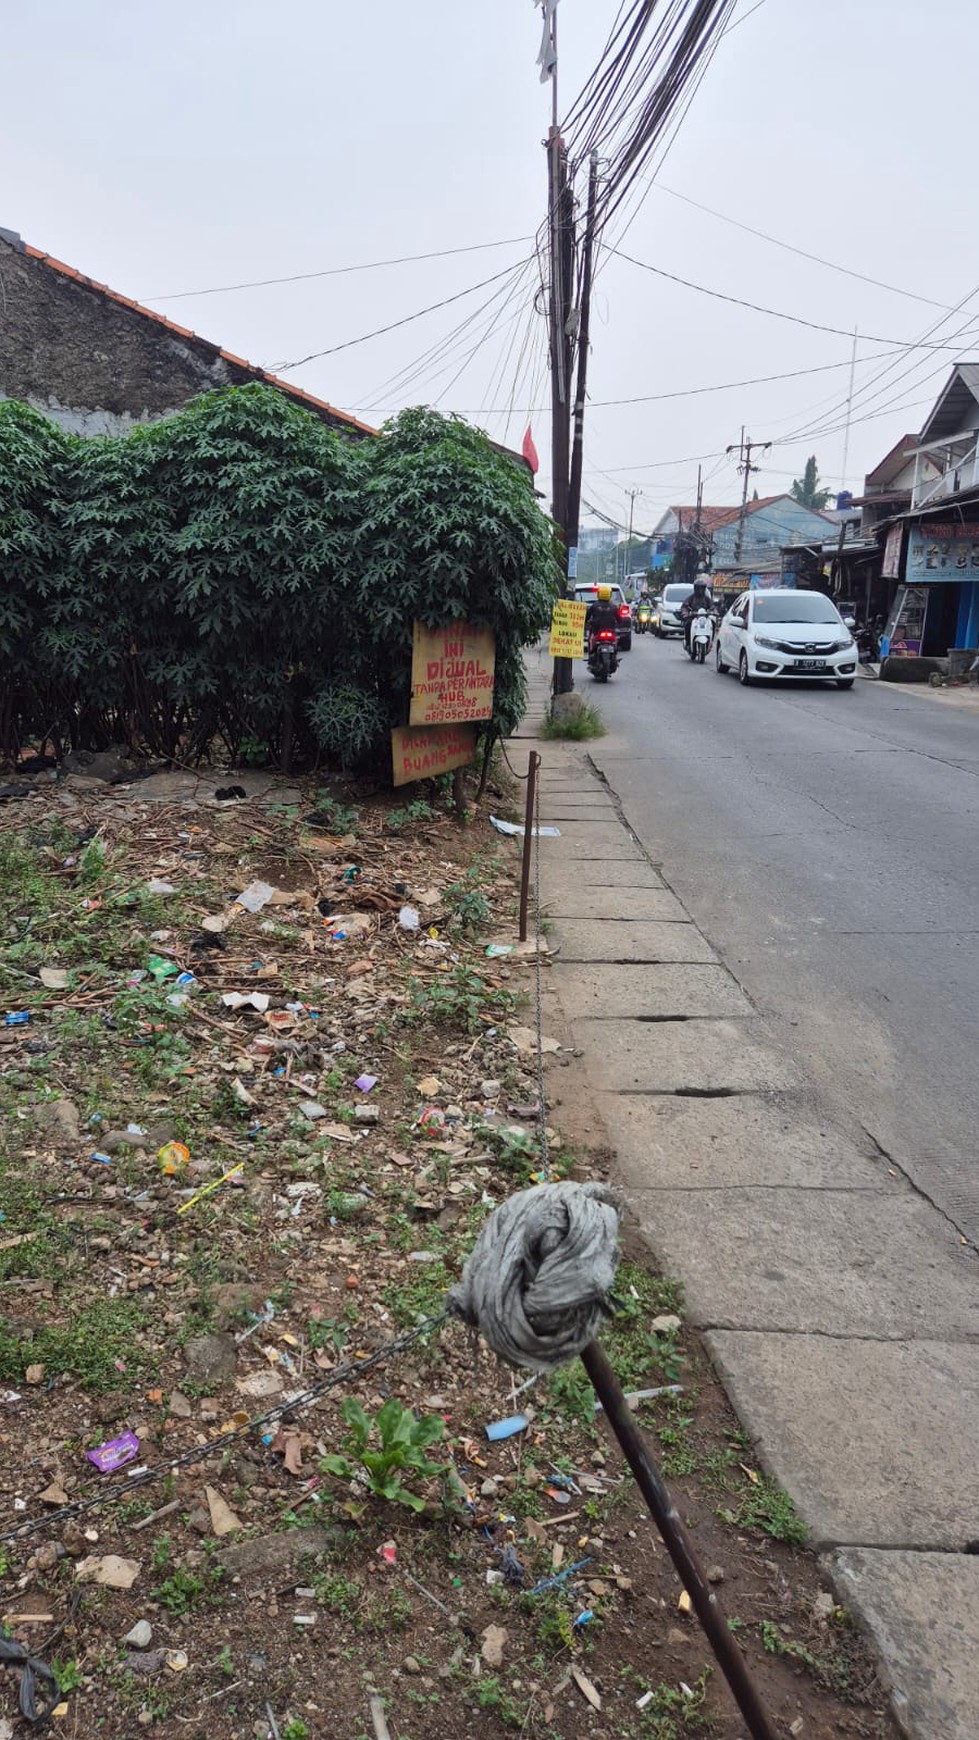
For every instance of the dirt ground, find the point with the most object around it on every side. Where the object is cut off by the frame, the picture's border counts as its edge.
(276, 1584)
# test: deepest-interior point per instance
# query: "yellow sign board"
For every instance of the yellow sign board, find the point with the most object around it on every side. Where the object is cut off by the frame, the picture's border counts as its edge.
(568, 629)
(424, 751)
(452, 671)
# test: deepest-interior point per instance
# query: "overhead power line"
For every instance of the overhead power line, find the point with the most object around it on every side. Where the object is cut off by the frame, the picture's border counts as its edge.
(790, 248)
(778, 313)
(340, 271)
(378, 331)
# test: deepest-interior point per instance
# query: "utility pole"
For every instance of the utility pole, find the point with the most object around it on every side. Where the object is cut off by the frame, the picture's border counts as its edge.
(563, 677)
(744, 451)
(560, 216)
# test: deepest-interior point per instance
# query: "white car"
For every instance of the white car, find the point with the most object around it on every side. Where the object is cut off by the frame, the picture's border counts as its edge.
(783, 632)
(674, 593)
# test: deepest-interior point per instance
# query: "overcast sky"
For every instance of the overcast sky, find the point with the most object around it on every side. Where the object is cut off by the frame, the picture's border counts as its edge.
(181, 148)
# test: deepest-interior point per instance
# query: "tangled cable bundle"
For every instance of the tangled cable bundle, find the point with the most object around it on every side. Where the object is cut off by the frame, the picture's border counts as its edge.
(537, 1280)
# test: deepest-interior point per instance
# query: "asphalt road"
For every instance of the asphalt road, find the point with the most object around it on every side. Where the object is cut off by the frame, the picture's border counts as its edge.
(827, 843)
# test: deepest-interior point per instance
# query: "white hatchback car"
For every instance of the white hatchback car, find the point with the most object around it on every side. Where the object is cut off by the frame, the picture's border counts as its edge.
(783, 632)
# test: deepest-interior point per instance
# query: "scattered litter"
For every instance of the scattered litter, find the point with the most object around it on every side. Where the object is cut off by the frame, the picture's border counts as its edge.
(646, 1698)
(255, 896)
(160, 968)
(32, 1671)
(312, 1110)
(381, 1729)
(561, 1577)
(494, 1637)
(177, 1660)
(214, 924)
(100, 1158)
(585, 1687)
(500, 1429)
(409, 919)
(583, 1618)
(496, 951)
(173, 1159)
(431, 1121)
(365, 1083)
(388, 1551)
(156, 885)
(206, 1189)
(525, 1040)
(55, 978)
(685, 1605)
(110, 1570)
(259, 1000)
(17, 1018)
(115, 1453)
(429, 1085)
(227, 794)
(223, 1519)
(634, 1397)
(518, 828)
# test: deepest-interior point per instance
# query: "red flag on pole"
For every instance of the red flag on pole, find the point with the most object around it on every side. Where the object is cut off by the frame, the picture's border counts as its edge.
(529, 451)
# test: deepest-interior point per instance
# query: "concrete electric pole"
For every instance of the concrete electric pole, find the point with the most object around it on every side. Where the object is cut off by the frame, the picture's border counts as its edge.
(744, 450)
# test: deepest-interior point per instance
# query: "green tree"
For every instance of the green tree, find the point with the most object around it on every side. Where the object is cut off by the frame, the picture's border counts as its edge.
(806, 488)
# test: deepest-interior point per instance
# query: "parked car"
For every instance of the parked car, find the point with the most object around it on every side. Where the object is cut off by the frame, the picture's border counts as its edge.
(785, 632)
(586, 594)
(674, 592)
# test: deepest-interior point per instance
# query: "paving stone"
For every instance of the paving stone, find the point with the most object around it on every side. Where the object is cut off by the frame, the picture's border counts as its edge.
(762, 1259)
(847, 1426)
(651, 991)
(612, 941)
(627, 905)
(684, 1056)
(922, 1611)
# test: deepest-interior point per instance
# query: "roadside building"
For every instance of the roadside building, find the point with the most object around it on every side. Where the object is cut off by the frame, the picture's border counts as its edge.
(935, 611)
(743, 556)
(98, 363)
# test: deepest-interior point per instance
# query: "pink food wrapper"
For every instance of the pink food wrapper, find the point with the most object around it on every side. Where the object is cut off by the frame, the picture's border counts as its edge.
(114, 1454)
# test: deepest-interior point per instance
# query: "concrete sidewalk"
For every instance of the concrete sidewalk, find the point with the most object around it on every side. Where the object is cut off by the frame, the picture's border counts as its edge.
(858, 1380)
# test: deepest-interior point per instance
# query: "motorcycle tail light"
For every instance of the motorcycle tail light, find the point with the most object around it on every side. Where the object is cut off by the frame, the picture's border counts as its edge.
(605, 634)
(623, 610)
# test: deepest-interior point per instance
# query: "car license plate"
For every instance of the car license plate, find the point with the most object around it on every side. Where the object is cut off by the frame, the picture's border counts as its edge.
(810, 664)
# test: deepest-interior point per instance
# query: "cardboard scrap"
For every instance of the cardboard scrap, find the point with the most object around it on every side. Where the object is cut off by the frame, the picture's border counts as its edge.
(223, 1519)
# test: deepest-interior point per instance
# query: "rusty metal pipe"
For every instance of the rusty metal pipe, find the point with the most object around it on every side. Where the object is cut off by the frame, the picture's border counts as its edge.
(528, 841)
(678, 1543)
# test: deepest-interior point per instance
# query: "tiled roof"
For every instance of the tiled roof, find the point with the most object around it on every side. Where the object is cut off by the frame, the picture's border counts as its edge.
(713, 518)
(320, 406)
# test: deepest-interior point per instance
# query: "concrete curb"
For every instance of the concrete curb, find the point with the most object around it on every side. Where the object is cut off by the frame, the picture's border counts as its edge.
(861, 1395)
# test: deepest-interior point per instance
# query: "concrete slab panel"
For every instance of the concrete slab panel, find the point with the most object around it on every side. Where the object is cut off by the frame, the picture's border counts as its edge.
(654, 992)
(591, 840)
(609, 940)
(594, 875)
(873, 1440)
(766, 1259)
(667, 1057)
(628, 905)
(922, 1611)
(662, 1143)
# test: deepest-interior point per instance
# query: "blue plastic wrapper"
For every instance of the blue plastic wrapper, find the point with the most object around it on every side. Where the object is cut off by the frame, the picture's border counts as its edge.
(499, 1429)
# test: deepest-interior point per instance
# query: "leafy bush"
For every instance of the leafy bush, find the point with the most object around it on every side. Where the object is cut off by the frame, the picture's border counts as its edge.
(239, 572)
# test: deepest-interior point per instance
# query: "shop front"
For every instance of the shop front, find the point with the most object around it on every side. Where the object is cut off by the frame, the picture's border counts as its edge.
(935, 612)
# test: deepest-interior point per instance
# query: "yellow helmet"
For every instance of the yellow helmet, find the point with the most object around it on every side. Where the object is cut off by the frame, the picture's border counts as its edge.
(604, 593)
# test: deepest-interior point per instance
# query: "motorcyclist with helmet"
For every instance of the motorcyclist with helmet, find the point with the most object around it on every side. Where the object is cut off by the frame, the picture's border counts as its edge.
(699, 599)
(601, 614)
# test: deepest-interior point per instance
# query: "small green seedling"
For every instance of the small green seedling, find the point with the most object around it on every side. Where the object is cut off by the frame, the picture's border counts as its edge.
(403, 1441)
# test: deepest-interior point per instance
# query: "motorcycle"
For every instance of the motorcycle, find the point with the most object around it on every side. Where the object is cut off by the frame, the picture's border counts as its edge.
(603, 655)
(700, 637)
(644, 617)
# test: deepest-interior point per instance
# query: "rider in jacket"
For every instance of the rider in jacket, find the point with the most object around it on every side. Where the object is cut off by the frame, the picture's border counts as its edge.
(699, 599)
(601, 614)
